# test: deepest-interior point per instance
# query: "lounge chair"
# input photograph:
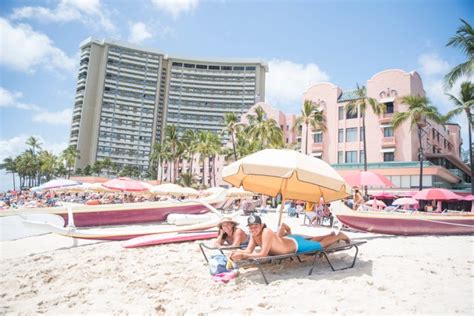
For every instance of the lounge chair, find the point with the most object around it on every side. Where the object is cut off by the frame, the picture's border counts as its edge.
(258, 262)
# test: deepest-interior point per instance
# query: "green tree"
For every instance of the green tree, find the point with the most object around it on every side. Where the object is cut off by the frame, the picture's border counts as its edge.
(69, 155)
(312, 116)
(172, 141)
(465, 103)
(35, 146)
(232, 127)
(48, 162)
(360, 105)
(419, 110)
(464, 40)
(9, 166)
(190, 141)
(107, 165)
(156, 158)
(265, 131)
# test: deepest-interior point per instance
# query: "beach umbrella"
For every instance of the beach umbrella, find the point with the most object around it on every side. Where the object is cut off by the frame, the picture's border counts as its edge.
(384, 195)
(57, 184)
(287, 172)
(167, 189)
(213, 190)
(187, 191)
(124, 184)
(367, 178)
(405, 201)
(437, 194)
(238, 193)
(375, 203)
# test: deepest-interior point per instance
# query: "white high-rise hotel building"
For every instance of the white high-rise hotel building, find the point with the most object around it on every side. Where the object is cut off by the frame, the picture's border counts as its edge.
(126, 95)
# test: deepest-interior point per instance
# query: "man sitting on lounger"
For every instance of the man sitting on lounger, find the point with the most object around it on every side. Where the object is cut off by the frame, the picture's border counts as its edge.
(281, 243)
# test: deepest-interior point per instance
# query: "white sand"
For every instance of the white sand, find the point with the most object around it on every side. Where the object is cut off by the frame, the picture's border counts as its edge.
(393, 275)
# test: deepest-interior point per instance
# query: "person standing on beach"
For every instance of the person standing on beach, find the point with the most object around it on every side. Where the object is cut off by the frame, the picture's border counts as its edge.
(281, 243)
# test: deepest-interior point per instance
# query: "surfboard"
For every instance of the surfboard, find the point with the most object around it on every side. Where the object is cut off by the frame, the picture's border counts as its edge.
(159, 239)
(13, 227)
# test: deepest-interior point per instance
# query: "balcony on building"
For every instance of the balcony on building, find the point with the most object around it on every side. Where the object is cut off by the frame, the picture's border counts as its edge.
(317, 147)
(388, 142)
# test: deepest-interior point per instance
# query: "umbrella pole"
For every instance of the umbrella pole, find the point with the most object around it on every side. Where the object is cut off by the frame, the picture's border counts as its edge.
(282, 207)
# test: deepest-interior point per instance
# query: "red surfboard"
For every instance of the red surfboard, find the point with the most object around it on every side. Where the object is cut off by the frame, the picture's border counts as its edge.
(159, 239)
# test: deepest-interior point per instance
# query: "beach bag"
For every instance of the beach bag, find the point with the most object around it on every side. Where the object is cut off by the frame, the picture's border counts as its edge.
(220, 263)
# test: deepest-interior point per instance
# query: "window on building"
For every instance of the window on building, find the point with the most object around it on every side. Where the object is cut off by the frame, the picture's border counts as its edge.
(318, 137)
(361, 156)
(250, 68)
(389, 107)
(189, 65)
(214, 67)
(351, 156)
(201, 66)
(388, 156)
(238, 68)
(340, 157)
(351, 134)
(340, 135)
(388, 131)
(341, 113)
(361, 134)
(351, 115)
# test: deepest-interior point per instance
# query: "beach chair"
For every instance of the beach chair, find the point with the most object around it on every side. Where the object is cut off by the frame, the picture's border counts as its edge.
(258, 262)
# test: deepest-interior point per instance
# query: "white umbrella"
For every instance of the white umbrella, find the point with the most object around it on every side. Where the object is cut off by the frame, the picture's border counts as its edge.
(167, 189)
(287, 172)
(57, 184)
(405, 201)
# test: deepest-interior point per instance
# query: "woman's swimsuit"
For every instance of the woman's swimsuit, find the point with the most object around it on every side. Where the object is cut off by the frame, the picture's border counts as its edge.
(304, 245)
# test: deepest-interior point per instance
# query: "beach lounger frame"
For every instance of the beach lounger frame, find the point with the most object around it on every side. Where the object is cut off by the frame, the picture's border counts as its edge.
(258, 262)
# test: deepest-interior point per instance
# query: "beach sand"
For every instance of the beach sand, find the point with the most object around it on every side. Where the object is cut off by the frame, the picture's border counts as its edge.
(393, 275)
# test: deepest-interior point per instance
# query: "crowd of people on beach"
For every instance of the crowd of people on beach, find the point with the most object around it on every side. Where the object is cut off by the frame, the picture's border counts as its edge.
(31, 199)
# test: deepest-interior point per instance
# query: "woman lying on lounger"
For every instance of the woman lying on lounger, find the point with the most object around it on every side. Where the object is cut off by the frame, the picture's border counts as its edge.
(230, 235)
(281, 243)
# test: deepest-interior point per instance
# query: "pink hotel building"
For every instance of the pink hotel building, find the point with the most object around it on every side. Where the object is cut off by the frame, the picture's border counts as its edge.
(391, 152)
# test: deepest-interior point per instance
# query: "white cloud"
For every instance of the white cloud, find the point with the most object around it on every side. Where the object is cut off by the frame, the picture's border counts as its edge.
(88, 12)
(139, 32)
(175, 7)
(432, 64)
(16, 145)
(11, 99)
(24, 49)
(286, 82)
(54, 118)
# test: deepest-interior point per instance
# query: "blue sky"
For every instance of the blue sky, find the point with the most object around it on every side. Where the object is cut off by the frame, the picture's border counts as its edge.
(304, 42)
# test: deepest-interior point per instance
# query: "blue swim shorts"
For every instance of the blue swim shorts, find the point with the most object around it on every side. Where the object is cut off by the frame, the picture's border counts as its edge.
(304, 245)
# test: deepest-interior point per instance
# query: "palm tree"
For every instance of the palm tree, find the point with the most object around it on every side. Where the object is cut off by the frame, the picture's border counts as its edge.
(464, 39)
(9, 166)
(310, 115)
(156, 158)
(232, 126)
(360, 104)
(205, 148)
(465, 103)
(35, 146)
(265, 131)
(419, 109)
(48, 162)
(69, 155)
(107, 165)
(172, 140)
(190, 140)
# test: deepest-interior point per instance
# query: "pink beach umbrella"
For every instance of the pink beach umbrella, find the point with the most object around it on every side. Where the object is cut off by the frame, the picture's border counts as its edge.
(405, 201)
(367, 178)
(384, 195)
(437, 195)
(125, 184)
(377, 204)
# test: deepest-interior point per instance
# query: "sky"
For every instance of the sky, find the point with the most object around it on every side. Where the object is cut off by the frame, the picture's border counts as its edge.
(303, 42)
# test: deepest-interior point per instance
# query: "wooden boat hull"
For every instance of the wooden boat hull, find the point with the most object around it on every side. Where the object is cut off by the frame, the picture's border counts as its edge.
(407, 224)
(126, 213)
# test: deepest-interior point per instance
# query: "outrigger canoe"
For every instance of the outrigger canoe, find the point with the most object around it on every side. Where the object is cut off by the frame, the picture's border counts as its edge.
(126, 213)
(405, 223)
